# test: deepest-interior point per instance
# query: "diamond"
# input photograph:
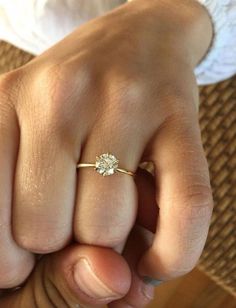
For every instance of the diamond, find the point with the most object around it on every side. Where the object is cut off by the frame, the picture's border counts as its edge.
(106, 164)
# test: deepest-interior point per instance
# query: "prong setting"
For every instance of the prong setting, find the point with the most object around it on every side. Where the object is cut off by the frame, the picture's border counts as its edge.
(106, 164)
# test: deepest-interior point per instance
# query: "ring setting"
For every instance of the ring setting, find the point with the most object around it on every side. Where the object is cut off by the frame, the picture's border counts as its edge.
(106, 164)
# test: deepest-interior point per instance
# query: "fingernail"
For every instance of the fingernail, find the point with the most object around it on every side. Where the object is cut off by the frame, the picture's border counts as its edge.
(152, 281)
(90, 283)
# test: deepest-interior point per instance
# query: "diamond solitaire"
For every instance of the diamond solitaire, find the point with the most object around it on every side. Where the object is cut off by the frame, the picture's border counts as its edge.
(106, 164)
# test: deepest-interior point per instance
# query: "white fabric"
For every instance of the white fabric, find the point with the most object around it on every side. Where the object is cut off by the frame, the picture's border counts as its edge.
(36, 25)
(220, 62)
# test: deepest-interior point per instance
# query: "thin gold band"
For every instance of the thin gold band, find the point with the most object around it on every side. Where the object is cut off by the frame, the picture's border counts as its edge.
(84, 165)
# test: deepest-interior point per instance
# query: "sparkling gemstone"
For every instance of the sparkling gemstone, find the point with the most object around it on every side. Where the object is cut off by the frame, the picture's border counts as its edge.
(106, 164)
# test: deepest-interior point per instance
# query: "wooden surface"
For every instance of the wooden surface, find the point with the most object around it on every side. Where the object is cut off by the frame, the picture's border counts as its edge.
(195, 290)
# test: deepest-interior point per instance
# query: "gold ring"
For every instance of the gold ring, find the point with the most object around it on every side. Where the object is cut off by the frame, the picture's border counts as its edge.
(106, 164)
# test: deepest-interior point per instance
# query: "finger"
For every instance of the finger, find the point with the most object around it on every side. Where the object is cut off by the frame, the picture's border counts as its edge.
(140, 293)
(15, 263)
(184, 197)
(45, 181)
(44, 192)
(107, 205)
(78, 275)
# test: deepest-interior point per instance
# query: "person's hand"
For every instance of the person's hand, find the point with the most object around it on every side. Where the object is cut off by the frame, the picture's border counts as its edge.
(105, 276)
(124, 84)
(56, 278)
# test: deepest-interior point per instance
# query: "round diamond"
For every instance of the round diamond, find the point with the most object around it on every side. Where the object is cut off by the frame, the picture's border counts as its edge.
(106, 164)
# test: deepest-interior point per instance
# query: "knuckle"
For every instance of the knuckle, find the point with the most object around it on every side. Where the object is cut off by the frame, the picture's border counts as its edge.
(100, 240)
(63, 88)
(12, 274)
(127, 92)
(41, 243)
(198, 202)
(62, 81)
(54, 98)
(10, 279)
(10, 78)
(10, 85)
(124, 96)
(100, 236)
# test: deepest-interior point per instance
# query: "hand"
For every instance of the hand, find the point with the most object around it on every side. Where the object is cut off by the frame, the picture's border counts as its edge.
(56, 280)
(122, 83)
(53, 283)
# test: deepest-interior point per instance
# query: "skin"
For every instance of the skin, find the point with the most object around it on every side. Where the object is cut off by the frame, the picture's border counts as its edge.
(122, 83)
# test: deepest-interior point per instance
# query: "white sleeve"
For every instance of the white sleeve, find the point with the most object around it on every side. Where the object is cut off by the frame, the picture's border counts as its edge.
(36, 25)
(220, 62)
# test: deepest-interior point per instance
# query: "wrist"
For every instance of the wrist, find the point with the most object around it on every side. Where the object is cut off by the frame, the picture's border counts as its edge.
(186, 23)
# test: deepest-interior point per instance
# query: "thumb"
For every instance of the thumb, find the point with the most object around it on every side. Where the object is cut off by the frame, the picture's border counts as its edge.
(77, 275)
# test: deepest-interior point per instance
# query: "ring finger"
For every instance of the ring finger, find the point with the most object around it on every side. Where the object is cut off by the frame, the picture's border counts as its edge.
(107, 205)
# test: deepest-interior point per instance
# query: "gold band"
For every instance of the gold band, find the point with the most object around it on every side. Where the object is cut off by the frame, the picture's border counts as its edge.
(84, 165)
(106, 164)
